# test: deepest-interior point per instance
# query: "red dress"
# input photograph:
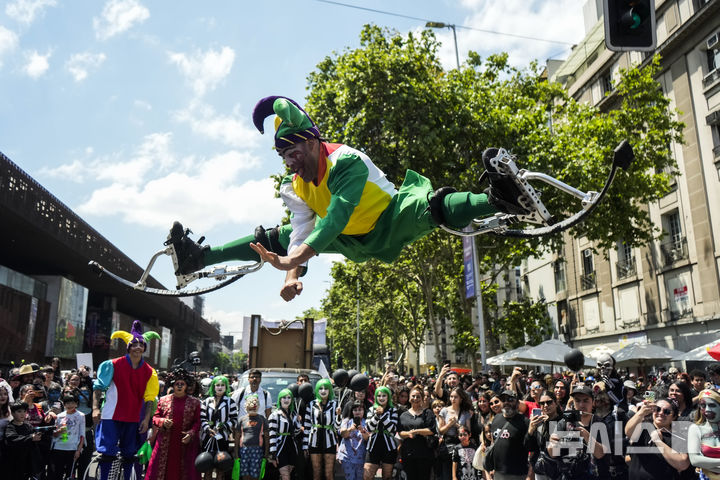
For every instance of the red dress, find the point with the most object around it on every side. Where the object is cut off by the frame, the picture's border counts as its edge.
(170, 458)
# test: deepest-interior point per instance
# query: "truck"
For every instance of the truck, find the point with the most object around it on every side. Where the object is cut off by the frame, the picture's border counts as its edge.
(296, 344)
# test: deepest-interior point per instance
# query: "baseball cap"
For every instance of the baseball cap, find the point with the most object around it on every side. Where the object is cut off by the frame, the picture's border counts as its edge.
(507, 393)
(582, 389)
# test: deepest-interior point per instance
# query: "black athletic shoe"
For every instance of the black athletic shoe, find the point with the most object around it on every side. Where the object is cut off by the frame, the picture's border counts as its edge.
(190, 254)
(503, 193)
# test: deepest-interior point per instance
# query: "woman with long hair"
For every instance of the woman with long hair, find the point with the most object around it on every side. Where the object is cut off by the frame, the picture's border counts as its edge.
(218, 418)
(382, 423)
(562, 393)
(680, 392)
(177, 419)
(417, 424)
(282, 425)
(662, 462)
(322, 420)
(458, 412)
(539, 431)
(704, 435)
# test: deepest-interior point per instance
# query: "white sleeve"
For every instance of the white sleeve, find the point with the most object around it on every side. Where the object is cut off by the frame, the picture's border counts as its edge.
(302, 218)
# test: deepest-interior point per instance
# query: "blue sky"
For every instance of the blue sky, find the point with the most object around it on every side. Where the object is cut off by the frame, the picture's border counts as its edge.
(135, 113)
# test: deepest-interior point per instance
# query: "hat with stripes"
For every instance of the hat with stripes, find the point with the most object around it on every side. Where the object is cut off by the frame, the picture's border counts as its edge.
(292, 124)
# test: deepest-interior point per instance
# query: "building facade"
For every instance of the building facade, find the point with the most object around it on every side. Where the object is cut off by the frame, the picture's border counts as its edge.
(669, 292)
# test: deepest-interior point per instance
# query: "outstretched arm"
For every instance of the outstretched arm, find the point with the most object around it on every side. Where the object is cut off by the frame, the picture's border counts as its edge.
(298, 257)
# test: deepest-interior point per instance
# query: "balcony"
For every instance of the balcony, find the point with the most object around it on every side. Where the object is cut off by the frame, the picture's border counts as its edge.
(626, 268)
(674, 251)
(587, 281)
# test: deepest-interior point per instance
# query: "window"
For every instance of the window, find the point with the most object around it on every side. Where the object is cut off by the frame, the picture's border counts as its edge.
(606, 83)
(626, 261)
(587, 279)
(674, 247)
(559, 273)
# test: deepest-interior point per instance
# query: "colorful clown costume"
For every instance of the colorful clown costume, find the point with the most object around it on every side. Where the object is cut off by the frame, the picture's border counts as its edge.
(354, 210)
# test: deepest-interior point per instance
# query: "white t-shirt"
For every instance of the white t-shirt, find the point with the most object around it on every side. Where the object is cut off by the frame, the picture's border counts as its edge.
(75, 423)
(264, 400)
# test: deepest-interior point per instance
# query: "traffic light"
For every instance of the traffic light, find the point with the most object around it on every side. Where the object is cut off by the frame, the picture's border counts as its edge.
(630, 25)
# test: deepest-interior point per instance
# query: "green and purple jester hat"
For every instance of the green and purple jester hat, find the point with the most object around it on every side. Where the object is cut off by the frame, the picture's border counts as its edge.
(136, 335)
(292, 124)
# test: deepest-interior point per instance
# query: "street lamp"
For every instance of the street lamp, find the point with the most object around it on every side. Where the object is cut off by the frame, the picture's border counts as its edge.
(446, 25)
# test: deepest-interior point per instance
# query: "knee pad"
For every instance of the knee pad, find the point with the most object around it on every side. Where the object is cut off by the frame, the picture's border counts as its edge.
(270, 239)
(436, 204)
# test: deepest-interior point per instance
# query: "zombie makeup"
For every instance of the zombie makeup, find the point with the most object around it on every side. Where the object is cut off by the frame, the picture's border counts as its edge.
(709, 405)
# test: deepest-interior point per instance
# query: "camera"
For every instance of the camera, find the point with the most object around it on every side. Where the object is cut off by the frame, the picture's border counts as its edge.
(571, 416)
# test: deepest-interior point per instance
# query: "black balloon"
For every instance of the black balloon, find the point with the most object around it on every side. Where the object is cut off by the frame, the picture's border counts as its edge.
(359, 382)
(294, 389)
(306, 392)
(574, 359)
(352, 373)
(204, 462)
(340, 377)
(223, 461)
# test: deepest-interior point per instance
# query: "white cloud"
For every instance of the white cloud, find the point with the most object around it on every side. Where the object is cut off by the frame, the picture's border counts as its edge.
(36, 64)
(152, 185)
(231, 129)
(118, 16)
(559, 20)
(204, 70)
(142, 105)
(80, 64)
(25, 11)
(231, 323)
(8, 42)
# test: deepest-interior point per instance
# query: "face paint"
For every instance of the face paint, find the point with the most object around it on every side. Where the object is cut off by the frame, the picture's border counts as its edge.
(285, 402)
(711, 409)
(323, 392)
(220, 388)
(382, 398)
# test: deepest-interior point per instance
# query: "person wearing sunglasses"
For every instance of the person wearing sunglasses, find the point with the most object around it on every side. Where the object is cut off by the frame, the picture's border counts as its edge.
(703, 441)
(651, 426)
(539, 430)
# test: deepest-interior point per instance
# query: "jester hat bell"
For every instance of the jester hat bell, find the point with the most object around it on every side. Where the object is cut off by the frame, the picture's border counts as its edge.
(136, 335)
(292, 124)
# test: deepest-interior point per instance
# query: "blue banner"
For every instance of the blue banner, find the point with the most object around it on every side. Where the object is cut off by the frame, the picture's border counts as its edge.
(469, 267)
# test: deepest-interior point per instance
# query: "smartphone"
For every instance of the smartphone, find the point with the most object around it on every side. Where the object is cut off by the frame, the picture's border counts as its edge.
(536, 412)
(649, 396)
(356, 421)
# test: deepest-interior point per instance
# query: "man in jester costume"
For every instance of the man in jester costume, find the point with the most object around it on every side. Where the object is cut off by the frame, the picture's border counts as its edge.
(129, 383)
(340, 202)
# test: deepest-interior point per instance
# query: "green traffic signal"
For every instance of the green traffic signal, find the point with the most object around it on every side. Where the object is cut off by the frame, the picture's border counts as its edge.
(630, 25)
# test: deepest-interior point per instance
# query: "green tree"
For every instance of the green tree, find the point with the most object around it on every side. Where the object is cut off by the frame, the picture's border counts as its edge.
(390, 98)
(229, 363)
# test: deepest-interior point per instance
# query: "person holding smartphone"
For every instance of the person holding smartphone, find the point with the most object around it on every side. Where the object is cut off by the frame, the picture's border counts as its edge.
(354, 435)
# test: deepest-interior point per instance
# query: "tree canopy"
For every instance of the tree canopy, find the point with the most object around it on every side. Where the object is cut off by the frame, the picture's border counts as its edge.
(391, 99)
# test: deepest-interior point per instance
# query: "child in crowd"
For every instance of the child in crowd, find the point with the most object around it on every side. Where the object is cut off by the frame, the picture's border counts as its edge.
(351, 453)
(252, 440)
(462, 456)
(68, 438)
(20, 454)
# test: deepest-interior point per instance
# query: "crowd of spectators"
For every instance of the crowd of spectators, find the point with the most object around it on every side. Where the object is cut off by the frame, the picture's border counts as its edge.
(593, 424)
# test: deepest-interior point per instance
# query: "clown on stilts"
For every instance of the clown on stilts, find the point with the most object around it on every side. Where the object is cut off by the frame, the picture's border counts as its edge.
(340, 202)
(129, 383)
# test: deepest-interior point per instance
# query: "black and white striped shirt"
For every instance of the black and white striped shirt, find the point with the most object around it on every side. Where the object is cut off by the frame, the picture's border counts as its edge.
(281, 430)
(212, 415)
(382, 429)
(321, 421)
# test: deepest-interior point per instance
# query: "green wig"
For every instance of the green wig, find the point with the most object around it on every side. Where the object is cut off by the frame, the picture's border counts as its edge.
(387, 392)
(218, 379)
(285, 392)
(325, 382)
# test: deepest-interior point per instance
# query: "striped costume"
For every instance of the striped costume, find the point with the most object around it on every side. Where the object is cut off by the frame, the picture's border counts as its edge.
(282, 444)
(321, 425)
(382, 430)
(222, 418)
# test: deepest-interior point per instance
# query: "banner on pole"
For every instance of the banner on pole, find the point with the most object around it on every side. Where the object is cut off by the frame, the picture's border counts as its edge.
(469, 267)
